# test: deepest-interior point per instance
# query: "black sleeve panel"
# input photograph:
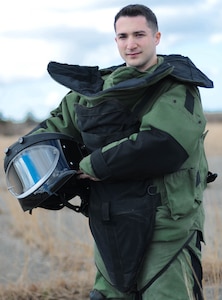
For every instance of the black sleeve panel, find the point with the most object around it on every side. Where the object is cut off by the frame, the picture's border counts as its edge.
(153, 153)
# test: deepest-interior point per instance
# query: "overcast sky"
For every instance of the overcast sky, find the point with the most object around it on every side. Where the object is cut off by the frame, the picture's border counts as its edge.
(32, 33)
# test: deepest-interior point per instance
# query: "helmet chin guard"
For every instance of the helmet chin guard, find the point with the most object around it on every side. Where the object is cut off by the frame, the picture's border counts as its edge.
(40, 171)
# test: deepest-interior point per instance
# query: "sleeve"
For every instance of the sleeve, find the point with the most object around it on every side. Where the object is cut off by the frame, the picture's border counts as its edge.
(168, 134)
(62, 119)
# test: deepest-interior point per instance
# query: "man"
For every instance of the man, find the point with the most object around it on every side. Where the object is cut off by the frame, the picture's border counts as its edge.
(143, 126)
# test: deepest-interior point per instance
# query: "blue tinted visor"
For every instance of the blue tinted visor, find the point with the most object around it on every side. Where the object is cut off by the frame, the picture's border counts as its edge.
(31, 168)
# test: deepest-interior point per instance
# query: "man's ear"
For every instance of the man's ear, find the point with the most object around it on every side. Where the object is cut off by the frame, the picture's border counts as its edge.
(157, 37)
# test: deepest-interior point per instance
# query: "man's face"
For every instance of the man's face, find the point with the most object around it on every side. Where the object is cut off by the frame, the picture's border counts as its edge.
(136, 42)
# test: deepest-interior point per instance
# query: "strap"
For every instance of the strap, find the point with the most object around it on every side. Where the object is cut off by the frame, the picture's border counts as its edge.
(211, 177)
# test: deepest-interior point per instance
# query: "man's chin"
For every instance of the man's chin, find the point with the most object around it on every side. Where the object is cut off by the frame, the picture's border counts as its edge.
(134, 65)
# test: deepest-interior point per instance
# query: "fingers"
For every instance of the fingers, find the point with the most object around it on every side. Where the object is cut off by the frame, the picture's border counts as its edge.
(82, 175)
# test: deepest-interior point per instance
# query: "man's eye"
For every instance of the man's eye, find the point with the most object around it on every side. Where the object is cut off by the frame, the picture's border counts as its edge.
(139, 35)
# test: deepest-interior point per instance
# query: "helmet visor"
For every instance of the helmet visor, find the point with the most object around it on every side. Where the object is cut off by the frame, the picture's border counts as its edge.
(30, 169)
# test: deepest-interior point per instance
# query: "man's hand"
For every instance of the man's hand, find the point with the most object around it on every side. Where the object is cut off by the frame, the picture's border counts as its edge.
(82, 175)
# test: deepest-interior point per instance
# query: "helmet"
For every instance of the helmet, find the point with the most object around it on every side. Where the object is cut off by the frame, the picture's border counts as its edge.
(40, 171)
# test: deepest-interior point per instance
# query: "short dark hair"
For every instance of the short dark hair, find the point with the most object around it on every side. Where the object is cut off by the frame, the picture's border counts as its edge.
(134, 10)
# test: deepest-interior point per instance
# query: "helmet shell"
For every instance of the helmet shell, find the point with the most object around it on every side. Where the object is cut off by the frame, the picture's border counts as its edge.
(38, 166)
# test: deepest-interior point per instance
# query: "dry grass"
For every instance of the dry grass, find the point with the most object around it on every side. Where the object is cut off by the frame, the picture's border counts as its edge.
(52, 290)
(64, 238)
(213, 142)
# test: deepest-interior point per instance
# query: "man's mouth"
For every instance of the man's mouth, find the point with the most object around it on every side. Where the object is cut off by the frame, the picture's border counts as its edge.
(133, 54)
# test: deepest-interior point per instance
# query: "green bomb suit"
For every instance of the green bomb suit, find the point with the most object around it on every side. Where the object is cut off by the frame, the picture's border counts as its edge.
(144, 132)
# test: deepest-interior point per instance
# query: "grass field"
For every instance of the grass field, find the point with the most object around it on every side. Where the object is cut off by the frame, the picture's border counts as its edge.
(49, 255)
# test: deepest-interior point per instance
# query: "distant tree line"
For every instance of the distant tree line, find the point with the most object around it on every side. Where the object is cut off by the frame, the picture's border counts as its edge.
(215, 117)
(10, 127)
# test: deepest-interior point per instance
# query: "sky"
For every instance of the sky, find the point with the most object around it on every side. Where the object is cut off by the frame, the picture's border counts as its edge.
(33, 33)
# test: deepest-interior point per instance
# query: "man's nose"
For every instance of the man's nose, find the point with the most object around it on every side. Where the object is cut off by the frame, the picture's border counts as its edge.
(131, 44)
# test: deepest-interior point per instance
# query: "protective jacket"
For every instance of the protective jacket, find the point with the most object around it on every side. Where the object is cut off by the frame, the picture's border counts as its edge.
(144, 132)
